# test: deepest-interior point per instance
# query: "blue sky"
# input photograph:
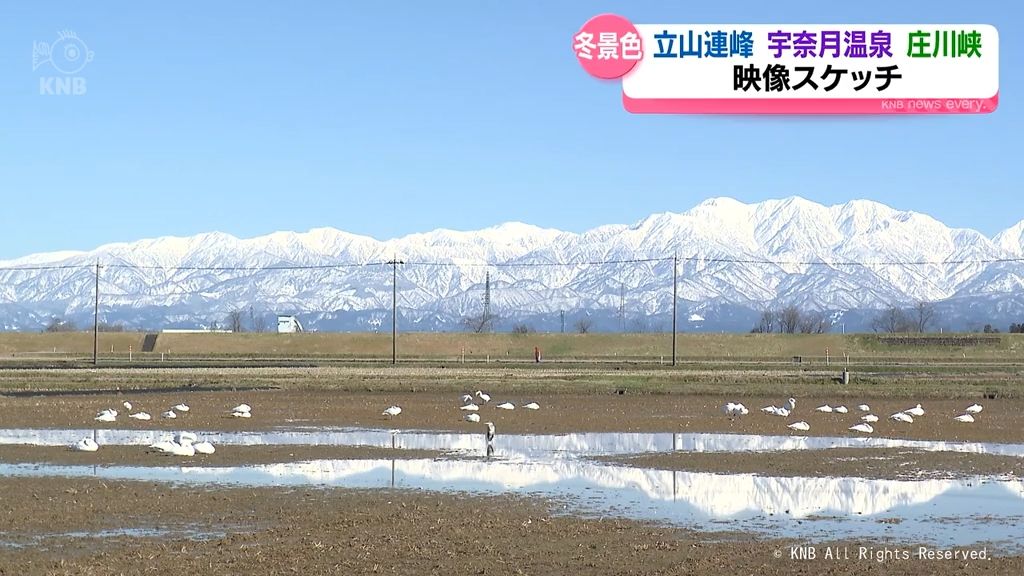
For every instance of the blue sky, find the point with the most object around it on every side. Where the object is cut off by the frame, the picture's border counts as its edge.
(389, 118)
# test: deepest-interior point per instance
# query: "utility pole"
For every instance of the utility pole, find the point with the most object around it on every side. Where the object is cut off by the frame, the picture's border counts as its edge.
(394, 308)
(96, 320)
(622, 306)
(675, 300)
(563, 320)
(486, 320)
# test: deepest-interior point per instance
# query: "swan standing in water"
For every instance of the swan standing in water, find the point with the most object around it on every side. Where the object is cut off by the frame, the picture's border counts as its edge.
(392, 411)
(86, 445)
(802, 426)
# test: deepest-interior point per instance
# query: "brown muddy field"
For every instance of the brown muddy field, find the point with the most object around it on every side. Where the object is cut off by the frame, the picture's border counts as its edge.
(88, 526)
(1001, 421)
(61, 526)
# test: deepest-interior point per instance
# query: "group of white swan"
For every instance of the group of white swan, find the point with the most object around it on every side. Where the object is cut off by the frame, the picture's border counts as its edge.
(469, 404)
(734, 409)
(183, 443)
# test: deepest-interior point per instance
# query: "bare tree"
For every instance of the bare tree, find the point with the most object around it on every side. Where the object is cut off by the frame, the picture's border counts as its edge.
(812, 323)
(766, 323)
(583, 325)
(789, 319)
(639, 325)
(522, 329)
(482, 322)
(891, 320)
(923, 313)
(259, 323)
(234, 321)
(60, 325)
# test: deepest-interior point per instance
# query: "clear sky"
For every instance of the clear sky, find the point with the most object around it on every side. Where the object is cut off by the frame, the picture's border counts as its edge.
(388, 118)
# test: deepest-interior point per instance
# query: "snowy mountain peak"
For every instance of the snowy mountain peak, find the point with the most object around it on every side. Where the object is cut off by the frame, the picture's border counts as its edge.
(737, 259)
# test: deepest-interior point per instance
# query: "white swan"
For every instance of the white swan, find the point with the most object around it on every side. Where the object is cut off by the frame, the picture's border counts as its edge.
(163, 445)
(915, 411)
(869, 418)
(471, 417)
(802, 426)
(242, 408)
(964, 418)
(825, 408)
(490, 432)
(863, 427)
(736, 409)
(86, 445)
(180, 407)
(506, 406)
(242, 414)
(140, 416)
(974, 409)
(204, 447)
(184, 448)
(783, 411)
(392, 411)
(127, 405)
(531, 406)
(840, 409)
(470, 408)
(484, 397)
(183, 436)
(169, 414)
(466, 398)
(106, 416)
(902, 417)
(864, 408)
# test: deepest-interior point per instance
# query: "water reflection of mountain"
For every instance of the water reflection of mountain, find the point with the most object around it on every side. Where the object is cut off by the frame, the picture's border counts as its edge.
(764, 504)
(511, 446)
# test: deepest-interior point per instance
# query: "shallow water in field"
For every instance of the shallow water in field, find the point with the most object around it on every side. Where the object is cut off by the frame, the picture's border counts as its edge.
(964, 512)
(510, 446)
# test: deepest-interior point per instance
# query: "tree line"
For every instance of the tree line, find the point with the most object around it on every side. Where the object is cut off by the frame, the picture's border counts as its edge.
(791, 320)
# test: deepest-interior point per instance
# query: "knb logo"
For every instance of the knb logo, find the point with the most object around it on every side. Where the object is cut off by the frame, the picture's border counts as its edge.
(67, 55)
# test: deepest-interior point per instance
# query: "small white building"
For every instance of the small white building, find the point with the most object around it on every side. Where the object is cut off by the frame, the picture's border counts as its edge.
(288, 325)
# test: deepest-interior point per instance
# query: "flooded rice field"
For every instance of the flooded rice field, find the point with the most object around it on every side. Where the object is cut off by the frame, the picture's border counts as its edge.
(710, 485)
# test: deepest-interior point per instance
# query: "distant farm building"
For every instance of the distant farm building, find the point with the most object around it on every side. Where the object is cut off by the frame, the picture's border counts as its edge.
(288, 325)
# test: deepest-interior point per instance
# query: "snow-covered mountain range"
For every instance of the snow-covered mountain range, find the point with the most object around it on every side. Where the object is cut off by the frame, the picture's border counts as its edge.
(736, 259)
